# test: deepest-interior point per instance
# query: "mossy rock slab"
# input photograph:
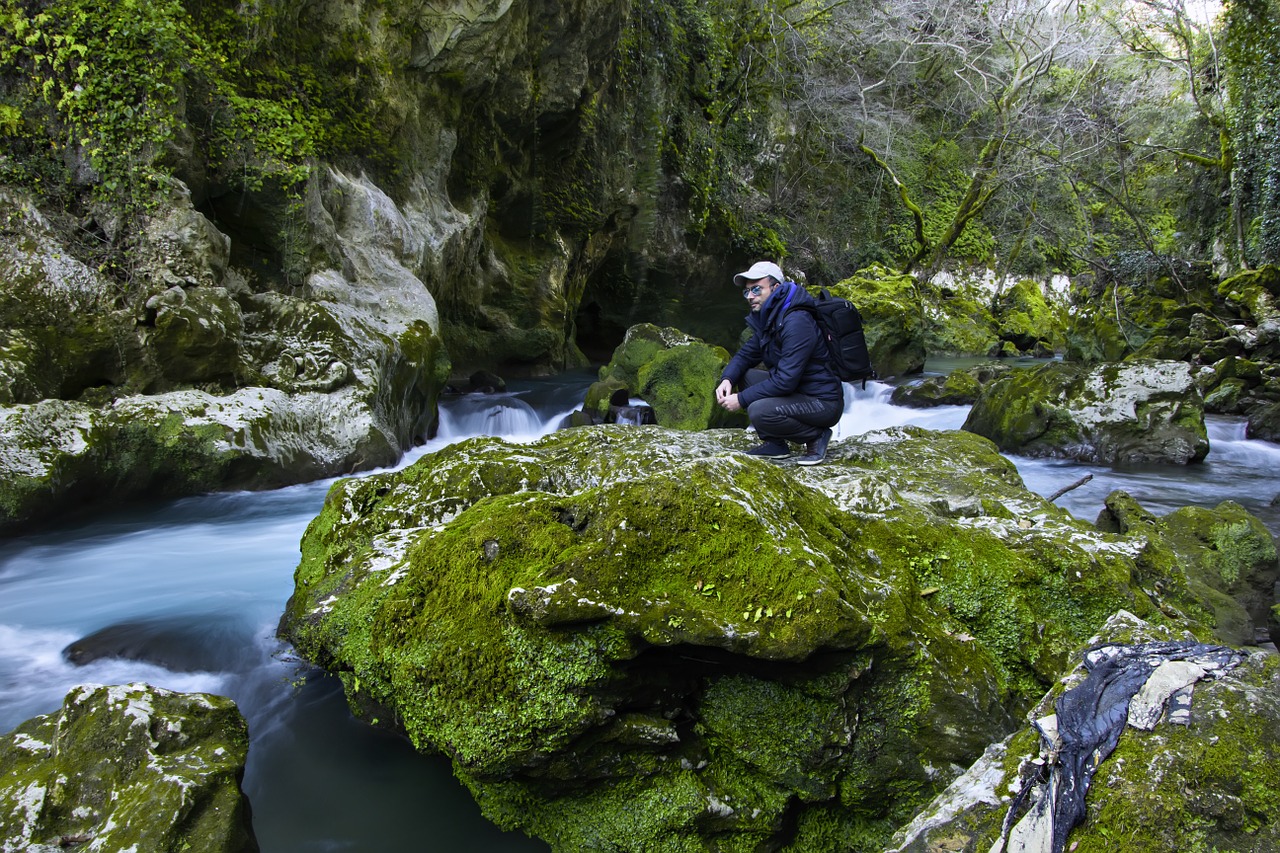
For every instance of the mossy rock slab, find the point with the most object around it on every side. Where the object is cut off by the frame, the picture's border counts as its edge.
(1135, 411)
(1207, 784)
(637, 638)
(129, 767)
(57, 456)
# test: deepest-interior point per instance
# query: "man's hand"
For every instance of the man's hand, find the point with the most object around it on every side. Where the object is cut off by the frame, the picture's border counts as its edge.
(726, 398)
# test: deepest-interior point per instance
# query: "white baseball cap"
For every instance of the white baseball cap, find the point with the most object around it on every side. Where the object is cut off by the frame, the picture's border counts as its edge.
(759, 270)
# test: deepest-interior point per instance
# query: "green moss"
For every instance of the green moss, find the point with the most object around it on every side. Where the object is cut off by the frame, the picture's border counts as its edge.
(1024, 318)
(132, 767)
(642, 620)
(679, 383)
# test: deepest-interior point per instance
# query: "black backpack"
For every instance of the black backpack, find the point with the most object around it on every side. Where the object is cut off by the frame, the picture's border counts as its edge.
(841, 327)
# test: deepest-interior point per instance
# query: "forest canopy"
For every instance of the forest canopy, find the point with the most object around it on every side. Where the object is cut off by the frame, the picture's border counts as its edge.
(1027, 136)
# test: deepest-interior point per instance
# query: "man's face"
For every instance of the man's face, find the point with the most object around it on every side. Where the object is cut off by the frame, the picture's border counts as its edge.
(758, 291)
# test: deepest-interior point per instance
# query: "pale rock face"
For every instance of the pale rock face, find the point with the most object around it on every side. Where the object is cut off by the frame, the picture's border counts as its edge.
(291, 387)
(1134, 411)
(382, 250)
(42, 267)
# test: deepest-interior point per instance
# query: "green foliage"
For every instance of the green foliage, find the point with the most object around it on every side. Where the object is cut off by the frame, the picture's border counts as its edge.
(939, 181)
(109, 80)
(121, 85)
(1252, 30)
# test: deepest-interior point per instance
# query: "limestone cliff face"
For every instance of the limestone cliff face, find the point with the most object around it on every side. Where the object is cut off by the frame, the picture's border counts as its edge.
(330, 206)
(547, 152)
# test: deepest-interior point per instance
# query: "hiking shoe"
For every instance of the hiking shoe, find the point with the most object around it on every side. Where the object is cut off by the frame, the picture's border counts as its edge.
(816, 450)
(770, 450)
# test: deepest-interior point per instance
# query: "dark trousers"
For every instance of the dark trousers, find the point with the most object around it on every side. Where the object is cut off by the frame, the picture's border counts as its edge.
(795, 417)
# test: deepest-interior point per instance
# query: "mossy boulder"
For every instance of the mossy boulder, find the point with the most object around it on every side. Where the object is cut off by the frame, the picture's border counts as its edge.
(1135, 411)
(1219, 561)
(1206, 784)
(1255, 293)
(641, 638)
(893, 318)
(675, 373)
(957, 388)
(129, 767)
(1264, 423)
(1024, 318)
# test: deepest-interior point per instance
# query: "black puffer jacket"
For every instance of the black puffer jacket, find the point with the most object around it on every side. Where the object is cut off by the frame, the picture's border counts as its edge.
(790, 345)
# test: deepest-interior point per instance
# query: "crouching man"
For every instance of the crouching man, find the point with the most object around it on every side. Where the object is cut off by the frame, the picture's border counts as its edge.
(795, 397)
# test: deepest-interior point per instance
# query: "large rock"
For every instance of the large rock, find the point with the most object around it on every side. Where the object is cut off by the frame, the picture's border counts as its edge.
(129, 767)
(675, 373)
(1200, 779)
(1264, 423)
(639, 638)
(200, 382)
(893, 319)
(1135, 411)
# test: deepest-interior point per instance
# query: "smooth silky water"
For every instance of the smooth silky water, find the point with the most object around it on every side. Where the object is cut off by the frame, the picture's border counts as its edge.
(186, 596)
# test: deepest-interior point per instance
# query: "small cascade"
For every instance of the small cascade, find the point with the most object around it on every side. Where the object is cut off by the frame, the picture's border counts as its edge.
(867, 409)
(500, 415)
(634, 412)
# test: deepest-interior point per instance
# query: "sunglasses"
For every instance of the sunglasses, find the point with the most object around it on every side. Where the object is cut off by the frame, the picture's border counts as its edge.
(754, 290)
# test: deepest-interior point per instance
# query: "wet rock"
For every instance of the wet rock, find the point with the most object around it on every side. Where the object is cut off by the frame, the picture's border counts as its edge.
(603, 396)
(828, 646)
(486, 382)
(958, 388)
(129, 767)
(1226, 742)
(1264, 423)
(1135, 411)
(189, 644)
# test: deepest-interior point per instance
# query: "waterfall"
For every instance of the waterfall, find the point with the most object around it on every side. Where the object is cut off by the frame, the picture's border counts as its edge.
(867, 409)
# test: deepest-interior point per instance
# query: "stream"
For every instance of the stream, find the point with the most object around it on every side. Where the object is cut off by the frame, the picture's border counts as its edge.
(186, 596)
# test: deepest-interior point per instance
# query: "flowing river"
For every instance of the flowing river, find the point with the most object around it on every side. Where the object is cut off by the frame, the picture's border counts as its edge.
(186, 596)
